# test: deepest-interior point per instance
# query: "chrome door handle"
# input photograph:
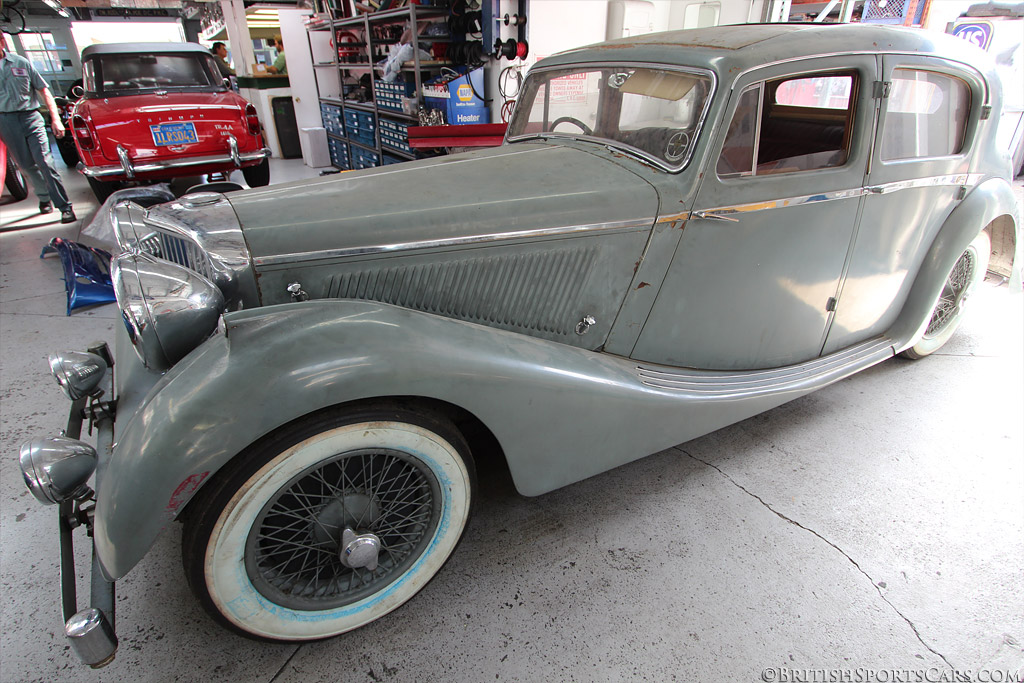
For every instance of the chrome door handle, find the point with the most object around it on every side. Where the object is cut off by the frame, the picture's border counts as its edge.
(707, 215)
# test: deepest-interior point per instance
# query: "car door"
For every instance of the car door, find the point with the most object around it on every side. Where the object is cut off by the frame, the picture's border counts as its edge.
(756, 272)
(919, 172)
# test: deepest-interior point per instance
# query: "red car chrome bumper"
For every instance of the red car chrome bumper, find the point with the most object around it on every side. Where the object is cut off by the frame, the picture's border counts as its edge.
(128, 169)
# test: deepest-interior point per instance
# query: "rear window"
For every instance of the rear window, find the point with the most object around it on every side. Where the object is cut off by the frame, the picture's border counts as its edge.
(131, 73)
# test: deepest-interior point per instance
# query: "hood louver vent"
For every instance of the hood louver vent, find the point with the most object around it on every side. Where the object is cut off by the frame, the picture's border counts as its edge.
(538, 291)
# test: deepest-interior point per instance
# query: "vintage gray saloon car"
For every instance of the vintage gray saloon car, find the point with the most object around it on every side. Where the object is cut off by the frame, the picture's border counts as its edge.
(681, 231)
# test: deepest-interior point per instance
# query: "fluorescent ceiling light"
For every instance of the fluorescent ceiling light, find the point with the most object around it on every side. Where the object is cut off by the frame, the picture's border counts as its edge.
(56, 7)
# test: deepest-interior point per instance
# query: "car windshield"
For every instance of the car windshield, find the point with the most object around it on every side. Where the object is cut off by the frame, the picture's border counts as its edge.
(122, 74)
(652, 111)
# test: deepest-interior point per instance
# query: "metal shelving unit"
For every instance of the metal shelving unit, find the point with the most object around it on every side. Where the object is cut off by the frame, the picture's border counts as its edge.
(334, 75)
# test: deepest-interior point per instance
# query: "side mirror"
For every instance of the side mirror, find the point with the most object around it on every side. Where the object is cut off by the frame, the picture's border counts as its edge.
(78, 91)
(227, 82)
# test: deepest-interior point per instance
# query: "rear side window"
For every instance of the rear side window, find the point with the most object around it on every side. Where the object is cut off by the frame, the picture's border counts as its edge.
(798, 123)
(926, 115)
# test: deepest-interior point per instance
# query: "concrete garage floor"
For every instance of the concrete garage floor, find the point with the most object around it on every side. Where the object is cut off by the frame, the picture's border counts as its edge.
(877, 524)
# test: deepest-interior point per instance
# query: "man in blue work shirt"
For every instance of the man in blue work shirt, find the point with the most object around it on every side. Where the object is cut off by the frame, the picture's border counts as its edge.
(23, 131)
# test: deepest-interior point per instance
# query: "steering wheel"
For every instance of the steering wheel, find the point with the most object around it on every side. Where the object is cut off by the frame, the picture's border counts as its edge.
(576, 122)
(675, 148)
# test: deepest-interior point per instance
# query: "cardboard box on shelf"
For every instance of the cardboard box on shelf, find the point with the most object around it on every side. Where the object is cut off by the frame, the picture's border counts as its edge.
(459, 98)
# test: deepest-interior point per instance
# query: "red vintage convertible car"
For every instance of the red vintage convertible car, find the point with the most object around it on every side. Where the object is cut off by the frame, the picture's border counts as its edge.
(156, 111)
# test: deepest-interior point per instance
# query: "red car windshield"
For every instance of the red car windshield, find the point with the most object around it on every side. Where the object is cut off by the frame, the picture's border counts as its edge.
(125, 74)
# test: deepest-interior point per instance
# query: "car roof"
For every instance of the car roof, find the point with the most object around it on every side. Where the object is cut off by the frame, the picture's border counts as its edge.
(142, 48)
(736, 48)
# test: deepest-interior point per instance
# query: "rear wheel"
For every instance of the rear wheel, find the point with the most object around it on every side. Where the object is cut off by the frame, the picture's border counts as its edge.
(14, 181)
(258, 175)
(330, 523)
(967, 273)
(103, 188)
(68, 151)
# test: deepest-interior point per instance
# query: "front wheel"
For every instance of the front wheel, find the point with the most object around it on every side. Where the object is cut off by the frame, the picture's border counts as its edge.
(330, 523)
(967, 273)
(14, 181)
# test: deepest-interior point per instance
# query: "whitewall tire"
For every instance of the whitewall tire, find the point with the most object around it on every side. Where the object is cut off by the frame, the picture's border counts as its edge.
(268, 552)
(962, 281)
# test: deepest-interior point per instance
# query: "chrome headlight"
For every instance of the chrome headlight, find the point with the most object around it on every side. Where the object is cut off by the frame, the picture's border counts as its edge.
(167, 309)
(200, 232)
(78, 373)
(57, 468)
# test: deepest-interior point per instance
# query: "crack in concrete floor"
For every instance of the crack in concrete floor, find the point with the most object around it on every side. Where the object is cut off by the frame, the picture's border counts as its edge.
(286, 663)
(852, 561)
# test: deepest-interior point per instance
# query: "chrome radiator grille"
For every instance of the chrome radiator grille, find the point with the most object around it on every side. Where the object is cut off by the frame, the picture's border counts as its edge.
(177, 249)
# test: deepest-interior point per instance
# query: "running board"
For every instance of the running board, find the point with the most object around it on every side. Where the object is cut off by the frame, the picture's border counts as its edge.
(731, 385)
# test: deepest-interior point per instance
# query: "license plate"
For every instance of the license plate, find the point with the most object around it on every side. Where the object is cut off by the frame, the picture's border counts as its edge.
(165, 134)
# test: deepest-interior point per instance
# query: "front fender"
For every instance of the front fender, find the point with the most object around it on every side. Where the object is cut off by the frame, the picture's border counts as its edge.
(989, 201)
(278, 363)
(560, 413)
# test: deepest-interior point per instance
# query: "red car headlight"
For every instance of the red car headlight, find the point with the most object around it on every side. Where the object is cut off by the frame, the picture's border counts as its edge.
(252, 120)
(82, 133)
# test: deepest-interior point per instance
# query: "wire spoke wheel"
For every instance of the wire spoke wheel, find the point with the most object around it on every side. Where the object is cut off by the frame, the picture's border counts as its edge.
(946, 316)
(953, 293)
(329, 523)
(293, 553)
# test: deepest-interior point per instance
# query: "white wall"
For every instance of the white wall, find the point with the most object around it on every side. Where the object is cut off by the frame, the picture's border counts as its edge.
(300, 67)
(558, 25)
(62, 38)
(941, 12)
(552, 26)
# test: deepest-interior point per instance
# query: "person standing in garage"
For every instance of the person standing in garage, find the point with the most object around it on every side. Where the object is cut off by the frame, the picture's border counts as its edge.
(23, 131)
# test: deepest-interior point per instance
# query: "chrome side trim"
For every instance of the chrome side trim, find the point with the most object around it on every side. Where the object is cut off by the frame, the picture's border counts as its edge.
(104, 171)
(722, 212)
(964, 180)
(736, 384)
(281, 259)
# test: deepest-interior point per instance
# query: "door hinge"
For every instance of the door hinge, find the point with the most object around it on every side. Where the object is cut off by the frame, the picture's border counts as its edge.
(830, 305)
(986, 111)
(962, 193)
(882, 89)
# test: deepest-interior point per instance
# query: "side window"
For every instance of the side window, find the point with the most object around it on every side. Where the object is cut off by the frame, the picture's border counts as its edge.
(798, 123)
(926, 115)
